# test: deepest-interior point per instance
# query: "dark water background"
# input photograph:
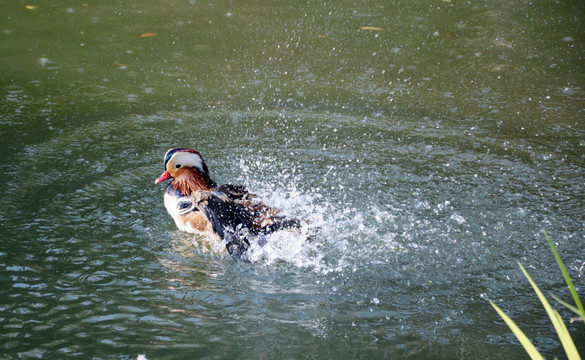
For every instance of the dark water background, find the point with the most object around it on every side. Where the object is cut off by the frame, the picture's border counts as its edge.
(431, 141)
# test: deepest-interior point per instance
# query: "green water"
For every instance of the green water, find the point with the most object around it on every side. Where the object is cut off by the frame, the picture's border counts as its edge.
(430, 142)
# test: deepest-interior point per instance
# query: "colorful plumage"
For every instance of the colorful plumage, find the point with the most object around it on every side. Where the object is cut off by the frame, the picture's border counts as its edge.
(227, 212)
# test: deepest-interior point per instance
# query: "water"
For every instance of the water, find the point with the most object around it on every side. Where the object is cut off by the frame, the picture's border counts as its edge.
(428, 142)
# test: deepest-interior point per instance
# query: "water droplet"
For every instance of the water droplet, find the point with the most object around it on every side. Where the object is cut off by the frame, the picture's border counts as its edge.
(460, 219)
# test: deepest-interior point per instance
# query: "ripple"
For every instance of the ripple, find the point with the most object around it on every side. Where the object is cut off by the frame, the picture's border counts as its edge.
(405, 220)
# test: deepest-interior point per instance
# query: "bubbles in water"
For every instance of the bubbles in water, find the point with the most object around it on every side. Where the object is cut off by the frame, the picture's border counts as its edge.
(44, 61)
(460, 219)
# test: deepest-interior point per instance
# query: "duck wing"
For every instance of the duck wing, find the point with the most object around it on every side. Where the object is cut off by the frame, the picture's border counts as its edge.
(237, 218)
(235, 192)
(267, 219)
(229, 219)
(263, 218)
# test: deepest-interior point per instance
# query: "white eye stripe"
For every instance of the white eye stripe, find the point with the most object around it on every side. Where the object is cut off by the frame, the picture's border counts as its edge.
(188, 159)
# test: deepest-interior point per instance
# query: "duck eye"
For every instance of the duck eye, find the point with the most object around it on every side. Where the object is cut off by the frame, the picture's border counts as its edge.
(178, 166)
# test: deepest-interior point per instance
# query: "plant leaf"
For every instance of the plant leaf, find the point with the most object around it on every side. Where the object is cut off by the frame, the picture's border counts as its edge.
(567, 305)
(566, 275)
(555, 318)
(526, 343)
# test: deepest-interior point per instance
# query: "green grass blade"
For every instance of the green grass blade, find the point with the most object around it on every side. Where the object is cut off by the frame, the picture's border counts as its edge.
(566, 275)
(555, 318)
(567, 305)
(526, 343)
(572, 352)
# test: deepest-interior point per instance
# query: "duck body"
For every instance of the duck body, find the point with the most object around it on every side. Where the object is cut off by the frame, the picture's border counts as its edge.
(225, 213)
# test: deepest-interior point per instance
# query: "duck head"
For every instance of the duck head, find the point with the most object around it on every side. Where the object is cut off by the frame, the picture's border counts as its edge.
(187, 168)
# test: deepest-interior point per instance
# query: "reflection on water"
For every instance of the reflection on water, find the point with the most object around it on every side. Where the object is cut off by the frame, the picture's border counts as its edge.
(428, 145)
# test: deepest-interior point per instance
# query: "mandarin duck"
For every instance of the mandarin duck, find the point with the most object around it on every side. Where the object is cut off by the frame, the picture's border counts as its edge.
(226, 212)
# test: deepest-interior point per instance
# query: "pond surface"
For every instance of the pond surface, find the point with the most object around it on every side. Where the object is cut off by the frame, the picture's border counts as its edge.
(430, 142)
